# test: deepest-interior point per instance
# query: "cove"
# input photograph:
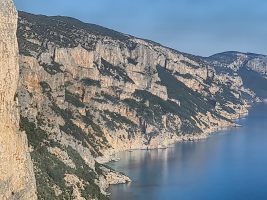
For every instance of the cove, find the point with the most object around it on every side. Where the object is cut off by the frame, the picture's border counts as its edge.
(230, 165)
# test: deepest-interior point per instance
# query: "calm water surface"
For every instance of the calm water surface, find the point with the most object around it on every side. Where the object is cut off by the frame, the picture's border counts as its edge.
(231, 165)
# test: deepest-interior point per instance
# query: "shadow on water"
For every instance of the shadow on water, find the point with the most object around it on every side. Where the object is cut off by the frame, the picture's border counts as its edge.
(229, 165)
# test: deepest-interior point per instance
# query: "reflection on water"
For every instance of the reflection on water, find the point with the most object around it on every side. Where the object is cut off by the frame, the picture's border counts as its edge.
(229, 165)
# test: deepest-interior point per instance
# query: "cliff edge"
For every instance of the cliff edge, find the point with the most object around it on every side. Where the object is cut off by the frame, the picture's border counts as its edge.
(16, 170)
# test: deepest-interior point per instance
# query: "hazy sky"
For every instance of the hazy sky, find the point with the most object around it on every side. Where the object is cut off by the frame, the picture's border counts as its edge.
(201, 27)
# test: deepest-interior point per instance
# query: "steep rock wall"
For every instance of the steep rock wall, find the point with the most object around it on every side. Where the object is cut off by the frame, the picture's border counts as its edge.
(87, 91)
(16, 170)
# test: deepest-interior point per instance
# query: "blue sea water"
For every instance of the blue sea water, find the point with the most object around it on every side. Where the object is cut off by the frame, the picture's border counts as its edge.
(230, 165)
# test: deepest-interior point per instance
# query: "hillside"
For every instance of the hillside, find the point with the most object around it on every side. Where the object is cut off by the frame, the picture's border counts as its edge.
(86, 92)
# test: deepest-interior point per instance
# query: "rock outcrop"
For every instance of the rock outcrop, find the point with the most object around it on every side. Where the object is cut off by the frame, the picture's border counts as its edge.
(251, 68)
(16, 170)
(86, 92)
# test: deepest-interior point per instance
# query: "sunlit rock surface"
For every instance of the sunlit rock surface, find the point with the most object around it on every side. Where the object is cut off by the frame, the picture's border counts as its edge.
(16, 170)
(86, 92)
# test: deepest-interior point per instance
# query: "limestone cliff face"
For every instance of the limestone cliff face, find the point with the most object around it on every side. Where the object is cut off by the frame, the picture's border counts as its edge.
(86, 91)
(251, 68)
(16, 171)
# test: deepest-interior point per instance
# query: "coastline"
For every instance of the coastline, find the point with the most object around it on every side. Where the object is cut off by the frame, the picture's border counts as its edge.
(115, 178)
(219, 159)
(169, 142)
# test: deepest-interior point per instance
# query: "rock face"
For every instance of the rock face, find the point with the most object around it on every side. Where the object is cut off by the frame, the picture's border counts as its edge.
(252, 68)
(16, 170)
(86, 92)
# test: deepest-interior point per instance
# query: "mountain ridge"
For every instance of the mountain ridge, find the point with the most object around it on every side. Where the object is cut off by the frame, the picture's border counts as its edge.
(132, 36)
(86, 93)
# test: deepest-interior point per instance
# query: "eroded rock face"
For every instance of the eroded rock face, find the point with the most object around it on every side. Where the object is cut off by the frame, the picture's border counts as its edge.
(87, 91)
(16, 170)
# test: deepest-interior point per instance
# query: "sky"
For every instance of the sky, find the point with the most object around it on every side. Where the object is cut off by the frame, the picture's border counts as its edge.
(200, 27)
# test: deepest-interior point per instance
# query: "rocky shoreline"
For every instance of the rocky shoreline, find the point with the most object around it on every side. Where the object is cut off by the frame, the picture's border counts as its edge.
(115, 178)
(167, 142)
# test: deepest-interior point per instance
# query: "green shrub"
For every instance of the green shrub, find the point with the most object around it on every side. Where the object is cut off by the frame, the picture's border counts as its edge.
(90, 82)
(73, 99)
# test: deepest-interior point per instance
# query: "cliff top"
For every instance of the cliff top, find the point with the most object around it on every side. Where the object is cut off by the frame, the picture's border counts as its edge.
(7, 8)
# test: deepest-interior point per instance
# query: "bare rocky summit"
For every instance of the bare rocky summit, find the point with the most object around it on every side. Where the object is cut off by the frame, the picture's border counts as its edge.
(86, 92)
(16, 170)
